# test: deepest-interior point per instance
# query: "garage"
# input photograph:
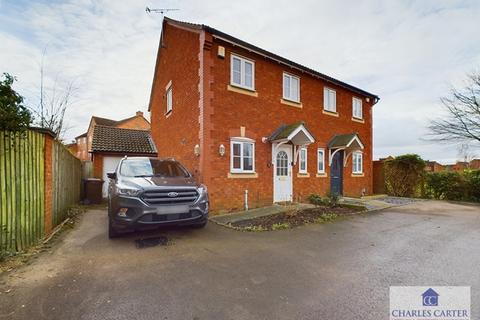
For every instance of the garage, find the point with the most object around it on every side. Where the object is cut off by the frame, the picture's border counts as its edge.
(109, 165)
(111, 144)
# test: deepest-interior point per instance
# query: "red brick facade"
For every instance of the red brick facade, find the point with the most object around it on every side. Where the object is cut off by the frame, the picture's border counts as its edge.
(207, 113)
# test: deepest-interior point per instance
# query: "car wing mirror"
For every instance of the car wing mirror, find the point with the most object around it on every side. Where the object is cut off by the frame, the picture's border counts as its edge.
(112, 175)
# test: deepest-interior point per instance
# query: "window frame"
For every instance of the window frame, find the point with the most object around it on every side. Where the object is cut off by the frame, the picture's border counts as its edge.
(355, 99)
(169, 98)
(326, 98)
(241, 142)
(323, 160)
(300, 170)
(291, 76)
(355, 163)
(242, 72)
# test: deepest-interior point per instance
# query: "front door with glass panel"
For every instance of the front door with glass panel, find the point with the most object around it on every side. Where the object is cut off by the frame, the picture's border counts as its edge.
(282, 173)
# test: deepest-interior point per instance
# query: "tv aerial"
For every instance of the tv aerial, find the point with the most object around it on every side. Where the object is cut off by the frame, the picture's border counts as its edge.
(160, 10)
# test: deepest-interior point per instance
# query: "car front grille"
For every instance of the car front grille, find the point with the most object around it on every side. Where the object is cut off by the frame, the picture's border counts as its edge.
(172, 196)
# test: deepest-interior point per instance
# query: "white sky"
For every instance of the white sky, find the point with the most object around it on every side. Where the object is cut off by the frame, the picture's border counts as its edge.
(407, 52)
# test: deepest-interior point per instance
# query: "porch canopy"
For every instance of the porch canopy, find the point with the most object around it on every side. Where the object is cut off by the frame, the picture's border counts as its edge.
(348, 142)
(296, 133)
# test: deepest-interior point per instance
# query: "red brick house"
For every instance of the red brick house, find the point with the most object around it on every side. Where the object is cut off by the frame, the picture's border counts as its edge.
(107, 141)
(254, 127)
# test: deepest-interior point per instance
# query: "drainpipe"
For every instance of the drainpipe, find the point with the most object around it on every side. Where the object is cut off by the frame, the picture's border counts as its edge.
(246, 200)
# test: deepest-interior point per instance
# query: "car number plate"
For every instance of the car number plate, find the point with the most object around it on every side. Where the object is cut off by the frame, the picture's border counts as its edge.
(173, 209)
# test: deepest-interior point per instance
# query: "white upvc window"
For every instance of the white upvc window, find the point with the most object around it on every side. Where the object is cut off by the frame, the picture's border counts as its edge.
(242, 72)
(357, 162)
(291, 87)
(302, 168)
(329, 100)
(242, 159)
(321, 160)
(169, 98)
(357, 108)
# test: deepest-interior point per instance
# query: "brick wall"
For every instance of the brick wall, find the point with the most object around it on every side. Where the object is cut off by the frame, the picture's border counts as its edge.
(177, 133)
(98, 165)
(48, 171)
(378, 177)
(138, 122)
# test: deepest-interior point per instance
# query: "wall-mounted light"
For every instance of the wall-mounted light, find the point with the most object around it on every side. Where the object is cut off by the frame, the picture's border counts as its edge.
(221, 150)
(196, 150)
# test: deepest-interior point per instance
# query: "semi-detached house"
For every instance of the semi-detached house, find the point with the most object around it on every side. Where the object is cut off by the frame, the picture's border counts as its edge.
(254, 127)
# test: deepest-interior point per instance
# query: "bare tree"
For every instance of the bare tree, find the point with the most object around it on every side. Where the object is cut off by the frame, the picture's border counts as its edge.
(53, 103)
(462, 122)
(465, 153)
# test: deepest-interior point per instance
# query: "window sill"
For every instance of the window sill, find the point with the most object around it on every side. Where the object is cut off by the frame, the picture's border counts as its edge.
(248, 92)
(330, 113)
(321, 175)
(358, 175)
(241, 175)
(291, 103)
(303, 175)
(358, 120)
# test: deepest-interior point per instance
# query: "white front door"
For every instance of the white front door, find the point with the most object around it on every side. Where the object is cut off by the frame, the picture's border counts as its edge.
(282, 173)
(109, 165)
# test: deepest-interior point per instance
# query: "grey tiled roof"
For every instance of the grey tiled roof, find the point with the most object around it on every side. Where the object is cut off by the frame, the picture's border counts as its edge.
(341, 140)
(111, 139)
(264, 52)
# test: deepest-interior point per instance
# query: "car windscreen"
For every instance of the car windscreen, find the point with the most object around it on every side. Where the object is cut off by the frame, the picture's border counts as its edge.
(152, 168)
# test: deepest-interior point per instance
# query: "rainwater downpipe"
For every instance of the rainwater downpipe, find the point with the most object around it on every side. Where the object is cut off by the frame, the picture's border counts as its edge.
(246, 200)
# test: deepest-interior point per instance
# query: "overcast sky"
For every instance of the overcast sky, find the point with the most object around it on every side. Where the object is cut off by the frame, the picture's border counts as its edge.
(407, 52)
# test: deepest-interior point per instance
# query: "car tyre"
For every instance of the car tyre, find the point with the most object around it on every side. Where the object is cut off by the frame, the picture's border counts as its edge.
(112, 232)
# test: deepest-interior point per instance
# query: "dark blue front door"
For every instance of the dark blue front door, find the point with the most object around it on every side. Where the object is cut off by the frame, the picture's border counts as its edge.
(336, 174)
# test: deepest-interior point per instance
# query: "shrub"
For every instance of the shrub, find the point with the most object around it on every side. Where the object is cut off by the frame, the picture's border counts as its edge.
(473, 184)
(332, 199)
(403, 175)
(316, 200)
(446, 185)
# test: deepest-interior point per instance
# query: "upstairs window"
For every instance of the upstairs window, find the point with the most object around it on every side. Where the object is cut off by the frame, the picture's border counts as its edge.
(302, 168)
(169, 98)
(329, 100)
(321, 161)
(357, 163)
(242, 158)
(291, 87)
(242, 73)
(357, 108)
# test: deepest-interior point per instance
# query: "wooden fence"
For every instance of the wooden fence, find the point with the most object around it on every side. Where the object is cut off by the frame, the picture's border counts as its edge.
(67, 176)
(39, 180)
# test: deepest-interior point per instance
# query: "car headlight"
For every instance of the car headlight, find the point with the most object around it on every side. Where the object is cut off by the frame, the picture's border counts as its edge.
(126, 191)
(202, 189)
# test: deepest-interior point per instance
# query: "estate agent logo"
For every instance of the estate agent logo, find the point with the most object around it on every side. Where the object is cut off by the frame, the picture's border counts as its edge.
(430, 298)
(432, 303)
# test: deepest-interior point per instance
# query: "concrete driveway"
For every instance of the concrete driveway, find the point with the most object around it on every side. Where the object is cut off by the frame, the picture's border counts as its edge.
(340, 270)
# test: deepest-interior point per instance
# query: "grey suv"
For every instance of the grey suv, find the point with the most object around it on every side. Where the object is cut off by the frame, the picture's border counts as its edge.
(148, 192)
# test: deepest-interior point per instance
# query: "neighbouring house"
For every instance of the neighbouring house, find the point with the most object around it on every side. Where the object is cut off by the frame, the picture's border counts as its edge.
(254, 127)
(84, 141)
(434, 166)
(107, 141)
(475, 164)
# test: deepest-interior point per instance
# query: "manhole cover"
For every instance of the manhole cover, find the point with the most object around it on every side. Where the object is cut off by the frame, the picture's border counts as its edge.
(151, 242)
